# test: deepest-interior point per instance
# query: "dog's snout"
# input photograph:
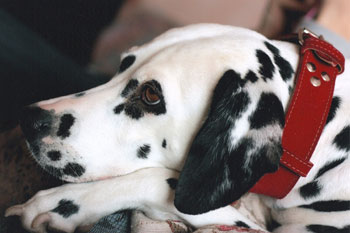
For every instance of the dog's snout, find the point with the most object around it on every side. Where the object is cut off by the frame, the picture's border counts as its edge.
(35, 122)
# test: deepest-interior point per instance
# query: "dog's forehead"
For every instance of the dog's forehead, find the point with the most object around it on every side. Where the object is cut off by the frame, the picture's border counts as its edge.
(188, 60)
(190, 42)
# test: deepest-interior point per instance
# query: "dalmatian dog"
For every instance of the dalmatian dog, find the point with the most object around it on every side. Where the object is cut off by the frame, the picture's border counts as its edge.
(123, 144)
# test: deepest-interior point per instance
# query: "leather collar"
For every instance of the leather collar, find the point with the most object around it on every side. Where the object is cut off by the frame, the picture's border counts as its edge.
(319, 65)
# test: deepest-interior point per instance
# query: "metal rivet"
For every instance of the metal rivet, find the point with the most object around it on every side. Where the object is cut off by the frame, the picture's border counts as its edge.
(311, 67)
(325, 76)
(316, 82)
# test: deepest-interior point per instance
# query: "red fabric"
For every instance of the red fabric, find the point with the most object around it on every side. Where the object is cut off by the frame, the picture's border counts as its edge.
(305, 118)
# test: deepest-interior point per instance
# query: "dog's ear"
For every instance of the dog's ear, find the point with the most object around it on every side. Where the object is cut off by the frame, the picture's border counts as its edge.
(234, 148)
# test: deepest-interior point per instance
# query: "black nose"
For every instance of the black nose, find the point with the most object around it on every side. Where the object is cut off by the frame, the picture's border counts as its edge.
(35, 122)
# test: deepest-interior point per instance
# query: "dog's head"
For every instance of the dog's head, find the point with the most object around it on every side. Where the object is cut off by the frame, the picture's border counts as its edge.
(149, 114)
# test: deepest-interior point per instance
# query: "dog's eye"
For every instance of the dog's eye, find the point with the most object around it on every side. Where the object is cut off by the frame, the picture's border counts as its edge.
(150, 96)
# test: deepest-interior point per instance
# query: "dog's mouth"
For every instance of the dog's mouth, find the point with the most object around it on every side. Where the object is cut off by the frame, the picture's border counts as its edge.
(54, 161)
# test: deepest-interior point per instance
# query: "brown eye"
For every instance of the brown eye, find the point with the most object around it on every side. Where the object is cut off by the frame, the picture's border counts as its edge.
(150, 96)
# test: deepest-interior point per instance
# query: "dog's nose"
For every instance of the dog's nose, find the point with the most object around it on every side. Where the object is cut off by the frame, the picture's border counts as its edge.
(35, 122)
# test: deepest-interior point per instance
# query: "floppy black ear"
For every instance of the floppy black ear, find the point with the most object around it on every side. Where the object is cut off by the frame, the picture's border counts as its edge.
(220, 166)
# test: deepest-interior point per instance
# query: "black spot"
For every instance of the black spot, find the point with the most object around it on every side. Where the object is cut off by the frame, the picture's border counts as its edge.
(241, 224)
(329, 166)
(132, 85)
(284, 67)
(272, 48)
(134, 111)
(66, 122)
(80, 94)
(54, 155)
(57, 172)
(327, 229)
(310, 190)
(126, 63)
(66, 208)
(266, 66)
(73, 169)
(329, 206)
(342, 140)
(172, 182)
(251, 76)
(269, 110)
(333, 109)
(143, 151)
(272, 225)
(164, 143)
(118, 109)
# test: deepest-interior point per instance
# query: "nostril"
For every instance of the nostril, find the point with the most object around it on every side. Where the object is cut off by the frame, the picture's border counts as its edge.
(41, 125)
(35, 122)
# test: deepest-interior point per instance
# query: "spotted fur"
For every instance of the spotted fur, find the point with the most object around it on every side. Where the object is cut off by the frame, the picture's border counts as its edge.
(66, 122)
(172, 183)
(143, 151)
(126, 62)
(219, 96)
(54, 155)
(66, 208)
(164, 143)
(267, 68)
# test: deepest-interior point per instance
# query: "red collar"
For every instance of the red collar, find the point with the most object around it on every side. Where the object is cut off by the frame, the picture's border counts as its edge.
(308, 109)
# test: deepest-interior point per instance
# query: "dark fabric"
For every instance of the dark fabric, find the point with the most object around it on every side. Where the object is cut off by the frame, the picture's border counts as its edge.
(117, 222)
